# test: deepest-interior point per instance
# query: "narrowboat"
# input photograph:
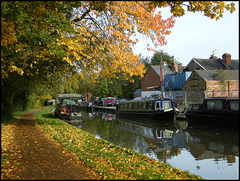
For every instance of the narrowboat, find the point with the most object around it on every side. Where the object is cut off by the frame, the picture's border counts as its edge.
(214, 109)
(68, 109)
(108, 101)
(155, 108)
(87, 104)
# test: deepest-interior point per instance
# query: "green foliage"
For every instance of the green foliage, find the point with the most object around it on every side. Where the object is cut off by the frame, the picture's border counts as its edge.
(146, 61)
(44, 42)
(157, 57)
(222, 75)
(117, 86)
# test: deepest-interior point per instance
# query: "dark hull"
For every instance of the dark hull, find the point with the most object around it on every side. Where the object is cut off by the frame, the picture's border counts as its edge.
(87, 108)
(73, 112)
(219, 111)
(215, 118)
(147, 114)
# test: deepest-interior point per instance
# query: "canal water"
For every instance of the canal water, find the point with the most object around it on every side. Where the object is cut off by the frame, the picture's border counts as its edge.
(210, 151)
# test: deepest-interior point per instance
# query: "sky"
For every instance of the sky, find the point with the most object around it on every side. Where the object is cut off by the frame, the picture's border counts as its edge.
(197, 36)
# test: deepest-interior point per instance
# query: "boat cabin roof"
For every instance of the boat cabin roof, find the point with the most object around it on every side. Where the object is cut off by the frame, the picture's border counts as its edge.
(223, 98)
(148, 100)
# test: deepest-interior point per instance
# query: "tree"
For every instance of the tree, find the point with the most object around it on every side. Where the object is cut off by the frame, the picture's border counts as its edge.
(41, 38)
(90, 35)
(161, 56)
(146, 61)
(85, 85)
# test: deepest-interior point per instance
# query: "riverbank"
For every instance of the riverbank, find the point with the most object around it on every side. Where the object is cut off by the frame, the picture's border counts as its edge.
(107, 160)
(29, 153)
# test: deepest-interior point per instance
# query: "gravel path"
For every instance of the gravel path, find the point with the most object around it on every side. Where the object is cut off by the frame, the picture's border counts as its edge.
(34, 155)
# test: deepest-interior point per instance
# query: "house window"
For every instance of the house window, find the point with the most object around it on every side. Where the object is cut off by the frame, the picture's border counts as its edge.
(214, 104)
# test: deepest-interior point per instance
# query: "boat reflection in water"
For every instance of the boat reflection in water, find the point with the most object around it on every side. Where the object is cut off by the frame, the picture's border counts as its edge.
(106, 115)
(214, 142)
(174, 142)
(75, 122)
(155, 138)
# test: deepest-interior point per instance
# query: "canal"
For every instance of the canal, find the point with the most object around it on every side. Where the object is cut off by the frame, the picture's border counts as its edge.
(210, 151)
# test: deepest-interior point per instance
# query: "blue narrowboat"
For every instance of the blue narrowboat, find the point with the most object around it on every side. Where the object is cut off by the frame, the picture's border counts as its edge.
(155, 108)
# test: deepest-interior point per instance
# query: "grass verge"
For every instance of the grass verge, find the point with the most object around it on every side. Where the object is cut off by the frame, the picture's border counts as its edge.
(6, 119)
(109, 160)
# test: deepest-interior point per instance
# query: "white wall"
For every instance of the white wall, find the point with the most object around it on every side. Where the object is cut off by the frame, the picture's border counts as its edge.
(148, 93)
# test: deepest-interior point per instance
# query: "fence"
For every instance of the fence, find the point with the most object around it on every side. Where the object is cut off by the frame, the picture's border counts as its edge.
(222, 93)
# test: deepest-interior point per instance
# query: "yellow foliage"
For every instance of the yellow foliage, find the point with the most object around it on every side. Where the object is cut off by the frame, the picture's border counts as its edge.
(40, 98)
(7, 33)
(101, 40)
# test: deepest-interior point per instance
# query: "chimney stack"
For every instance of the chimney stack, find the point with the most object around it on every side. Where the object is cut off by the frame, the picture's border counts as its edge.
(174, 66)
(165, 64)
(226, 59)
(213, 57)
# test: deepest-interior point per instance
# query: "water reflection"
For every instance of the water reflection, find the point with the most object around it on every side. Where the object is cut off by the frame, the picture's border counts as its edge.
(191, 148)
(213, 142)
(75, 122)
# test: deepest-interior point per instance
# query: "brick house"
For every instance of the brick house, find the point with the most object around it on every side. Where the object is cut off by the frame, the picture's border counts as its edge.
(207, 83)
(203, 83)
(152, 79)
(213, 63)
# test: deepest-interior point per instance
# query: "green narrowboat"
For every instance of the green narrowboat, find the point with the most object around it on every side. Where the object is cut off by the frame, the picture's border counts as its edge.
(154, 108)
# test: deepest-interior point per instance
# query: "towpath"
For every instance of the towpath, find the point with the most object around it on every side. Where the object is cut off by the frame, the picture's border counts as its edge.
(34, 155)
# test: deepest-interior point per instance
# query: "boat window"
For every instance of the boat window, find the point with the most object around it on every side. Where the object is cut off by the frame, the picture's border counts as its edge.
(166, 104)
(127, 106)
(167, 135)
(157, 105)
(234, 105)
(150, 106)
(120, 106)
(214, 104)
(195, 107)
(133, 106)
(146, 105)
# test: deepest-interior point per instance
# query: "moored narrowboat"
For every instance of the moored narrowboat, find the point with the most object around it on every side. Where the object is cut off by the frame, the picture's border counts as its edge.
(87, 104)
(155, 108)
(214, 109)
(68, 109)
